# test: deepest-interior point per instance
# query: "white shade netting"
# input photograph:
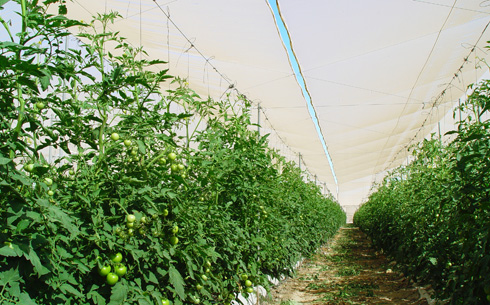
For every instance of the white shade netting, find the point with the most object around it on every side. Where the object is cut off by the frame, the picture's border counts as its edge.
(382, 75)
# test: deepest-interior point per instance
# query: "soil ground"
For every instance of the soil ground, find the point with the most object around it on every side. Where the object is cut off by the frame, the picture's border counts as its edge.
(346, 271)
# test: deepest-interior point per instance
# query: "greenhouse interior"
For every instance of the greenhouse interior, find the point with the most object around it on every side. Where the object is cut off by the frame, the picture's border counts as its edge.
(244, 152)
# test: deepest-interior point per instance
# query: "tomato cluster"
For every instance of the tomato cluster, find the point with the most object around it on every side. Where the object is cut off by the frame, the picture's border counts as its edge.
(105, 270)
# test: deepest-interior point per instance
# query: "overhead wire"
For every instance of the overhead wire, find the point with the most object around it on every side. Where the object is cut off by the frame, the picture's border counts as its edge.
(441, 95)
(415, 83)
(222, 76)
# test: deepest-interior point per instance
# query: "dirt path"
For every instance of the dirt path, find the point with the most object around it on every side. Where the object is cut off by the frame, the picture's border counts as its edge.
(347, 271)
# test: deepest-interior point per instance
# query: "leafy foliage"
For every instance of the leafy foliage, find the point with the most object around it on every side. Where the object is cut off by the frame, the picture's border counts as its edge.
(190, 208)
(432, 216)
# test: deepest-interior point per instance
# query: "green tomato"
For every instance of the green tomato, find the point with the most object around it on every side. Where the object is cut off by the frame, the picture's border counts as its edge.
(207, 270)
(112, 278)
(174, 240)
(207, 264)
(248, 283)
(48, 181)
(172, 156)
(180, 166)
(165, 212)
(250, 290)
(199, 287)
(144, 219)
(162, 161)
(71, 172)
(165, 302)
(50, 193)
(204, 277)
(244, 277)
(128, 143)
(115, 136)
(129, 224)
(104, 271)
(116, 258)
(175, 229)
(130, 218)
(40, 105)
(174, 167)
(120, 270)
(29, 167)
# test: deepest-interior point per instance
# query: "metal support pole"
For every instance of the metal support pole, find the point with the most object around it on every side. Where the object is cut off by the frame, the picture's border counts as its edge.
(299, 159)
(258, 119)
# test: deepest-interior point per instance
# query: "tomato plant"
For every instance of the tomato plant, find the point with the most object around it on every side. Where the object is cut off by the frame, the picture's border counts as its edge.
(94, 196)
(432, 216)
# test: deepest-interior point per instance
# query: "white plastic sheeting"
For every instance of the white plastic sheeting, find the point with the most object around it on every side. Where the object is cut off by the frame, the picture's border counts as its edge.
(381, 74)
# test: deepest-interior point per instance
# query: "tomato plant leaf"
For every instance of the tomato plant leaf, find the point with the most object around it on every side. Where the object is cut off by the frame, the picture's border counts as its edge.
(119, 293)
(36, 263)
(176, 281)
(9, 276)
(67, 288)
(24, 298)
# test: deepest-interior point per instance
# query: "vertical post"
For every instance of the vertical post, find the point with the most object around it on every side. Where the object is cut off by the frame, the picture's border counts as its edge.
(258, 119)
(258, 228)
(459, 108)
(299, 161)
(439, 130)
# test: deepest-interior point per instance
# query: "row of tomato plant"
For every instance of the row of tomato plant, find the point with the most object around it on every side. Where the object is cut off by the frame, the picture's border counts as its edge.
(143, 204)
(433, 215)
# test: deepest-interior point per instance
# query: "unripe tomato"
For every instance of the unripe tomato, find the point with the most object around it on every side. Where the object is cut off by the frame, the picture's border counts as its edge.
(174, 167)
(250, 290)
(48, 181)
(207, 263)
(120, 270)
(104, 271)
(50, 193)
(116, 258)
(174, 240)
(112, 278)
(248, 283)
(180, 166)
(29, 167)
(128, 143)
(165, 302)
(129, 224)
(175, 229)
(115, 136)
(162, 161)
(165, 212)
(130, 218)
(172, 156)
(244, 277)
(204, 277)
(199, 287)
(40, 105)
